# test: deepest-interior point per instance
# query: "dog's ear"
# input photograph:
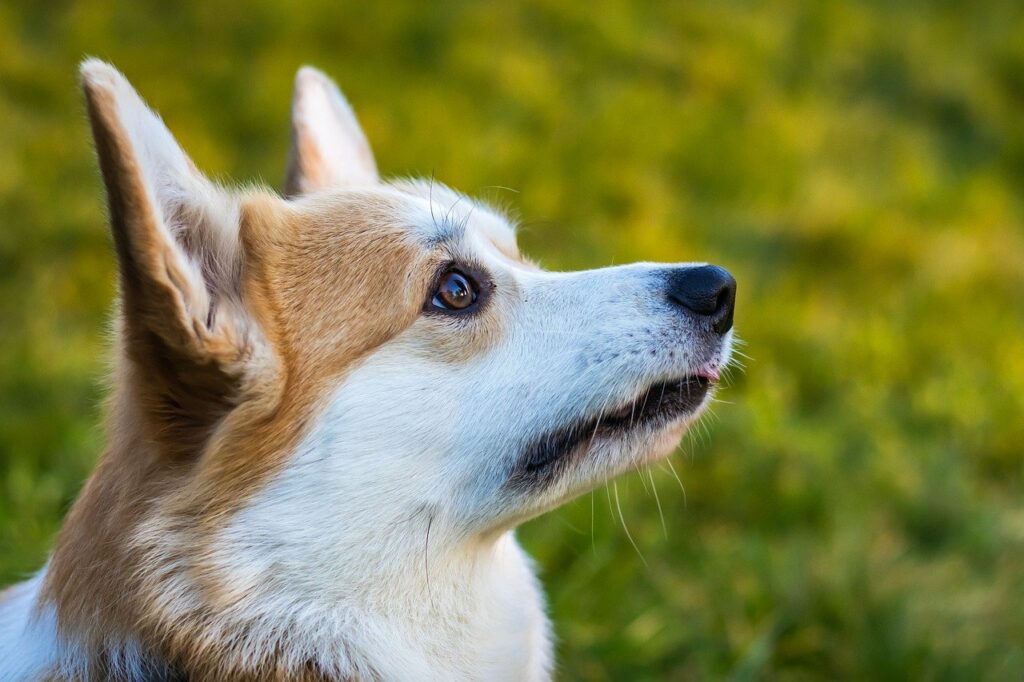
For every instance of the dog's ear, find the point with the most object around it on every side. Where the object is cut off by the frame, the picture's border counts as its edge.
(328, 148)
(184, 327)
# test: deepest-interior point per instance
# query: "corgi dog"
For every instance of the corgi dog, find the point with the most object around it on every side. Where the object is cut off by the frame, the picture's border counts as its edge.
(331, 408)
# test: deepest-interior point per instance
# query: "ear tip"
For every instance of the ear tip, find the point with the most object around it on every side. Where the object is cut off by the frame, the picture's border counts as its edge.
(95, 71)
(310, 80)
(310, 75)
(97, 74)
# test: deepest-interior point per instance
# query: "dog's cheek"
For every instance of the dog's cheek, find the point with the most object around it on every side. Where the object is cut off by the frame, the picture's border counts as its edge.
(458, 340)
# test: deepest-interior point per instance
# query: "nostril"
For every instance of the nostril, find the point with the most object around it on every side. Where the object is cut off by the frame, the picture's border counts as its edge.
(721, 319)
(708, 291)
(722, 301)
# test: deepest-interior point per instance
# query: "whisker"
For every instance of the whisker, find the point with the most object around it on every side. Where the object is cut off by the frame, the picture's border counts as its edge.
(657, 500)
(640, 473)
(672, 468)
(593, 543)
(426, 561)
(615, 487)
(430, 201)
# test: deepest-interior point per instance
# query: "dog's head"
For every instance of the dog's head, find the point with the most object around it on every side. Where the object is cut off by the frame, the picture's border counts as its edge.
(321, 375)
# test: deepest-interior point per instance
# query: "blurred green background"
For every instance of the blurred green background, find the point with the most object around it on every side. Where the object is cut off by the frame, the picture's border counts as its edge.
(853, 509)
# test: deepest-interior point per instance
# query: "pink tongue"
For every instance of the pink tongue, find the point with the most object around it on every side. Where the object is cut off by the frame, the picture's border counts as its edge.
(709, 373)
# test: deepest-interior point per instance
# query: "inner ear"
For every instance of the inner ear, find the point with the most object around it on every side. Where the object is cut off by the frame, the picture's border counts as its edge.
(328, 147)
(176, 232)
(184, 324)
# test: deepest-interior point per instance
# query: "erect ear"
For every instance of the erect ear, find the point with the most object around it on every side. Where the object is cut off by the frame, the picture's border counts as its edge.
(176, 235)
(328, 147)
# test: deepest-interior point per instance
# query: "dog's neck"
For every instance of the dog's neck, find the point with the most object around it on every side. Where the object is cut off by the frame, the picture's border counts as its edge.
(147, 593)
(475, 618)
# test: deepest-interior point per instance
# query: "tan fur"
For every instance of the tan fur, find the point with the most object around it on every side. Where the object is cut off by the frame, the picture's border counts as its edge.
(207, 407)
(309, 268)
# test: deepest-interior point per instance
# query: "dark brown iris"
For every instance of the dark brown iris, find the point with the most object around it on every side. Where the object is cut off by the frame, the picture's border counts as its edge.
(455, 292)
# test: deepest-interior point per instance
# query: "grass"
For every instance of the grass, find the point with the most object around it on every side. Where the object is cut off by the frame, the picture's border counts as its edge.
(855, 508)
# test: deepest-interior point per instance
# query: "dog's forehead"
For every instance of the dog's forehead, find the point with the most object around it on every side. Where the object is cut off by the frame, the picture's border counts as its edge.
(440, 214)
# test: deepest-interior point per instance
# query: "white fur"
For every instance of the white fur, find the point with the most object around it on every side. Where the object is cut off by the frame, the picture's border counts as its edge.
(336, 552)
(411, 439)
(385, 547)
(28, 634)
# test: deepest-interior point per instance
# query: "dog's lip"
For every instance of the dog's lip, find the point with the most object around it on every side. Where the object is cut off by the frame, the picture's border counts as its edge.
(640, 410)
(658, 405)
(704, 377)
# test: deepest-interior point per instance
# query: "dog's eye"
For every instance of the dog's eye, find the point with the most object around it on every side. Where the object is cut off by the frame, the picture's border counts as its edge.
(455, 292)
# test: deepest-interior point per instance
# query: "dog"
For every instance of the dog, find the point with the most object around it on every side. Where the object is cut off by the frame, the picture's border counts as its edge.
(330, 410)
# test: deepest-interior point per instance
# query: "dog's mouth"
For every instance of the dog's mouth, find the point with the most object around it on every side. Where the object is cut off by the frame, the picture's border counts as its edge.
(657, 406)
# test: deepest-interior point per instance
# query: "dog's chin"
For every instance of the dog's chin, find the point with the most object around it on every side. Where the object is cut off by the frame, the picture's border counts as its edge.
(663, 442)
(603, 445)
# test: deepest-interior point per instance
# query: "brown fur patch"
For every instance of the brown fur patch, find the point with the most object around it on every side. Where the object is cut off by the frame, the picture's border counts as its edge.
(214, 388)
(327, 280)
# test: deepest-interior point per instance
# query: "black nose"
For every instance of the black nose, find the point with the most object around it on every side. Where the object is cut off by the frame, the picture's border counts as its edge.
(708, 291)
